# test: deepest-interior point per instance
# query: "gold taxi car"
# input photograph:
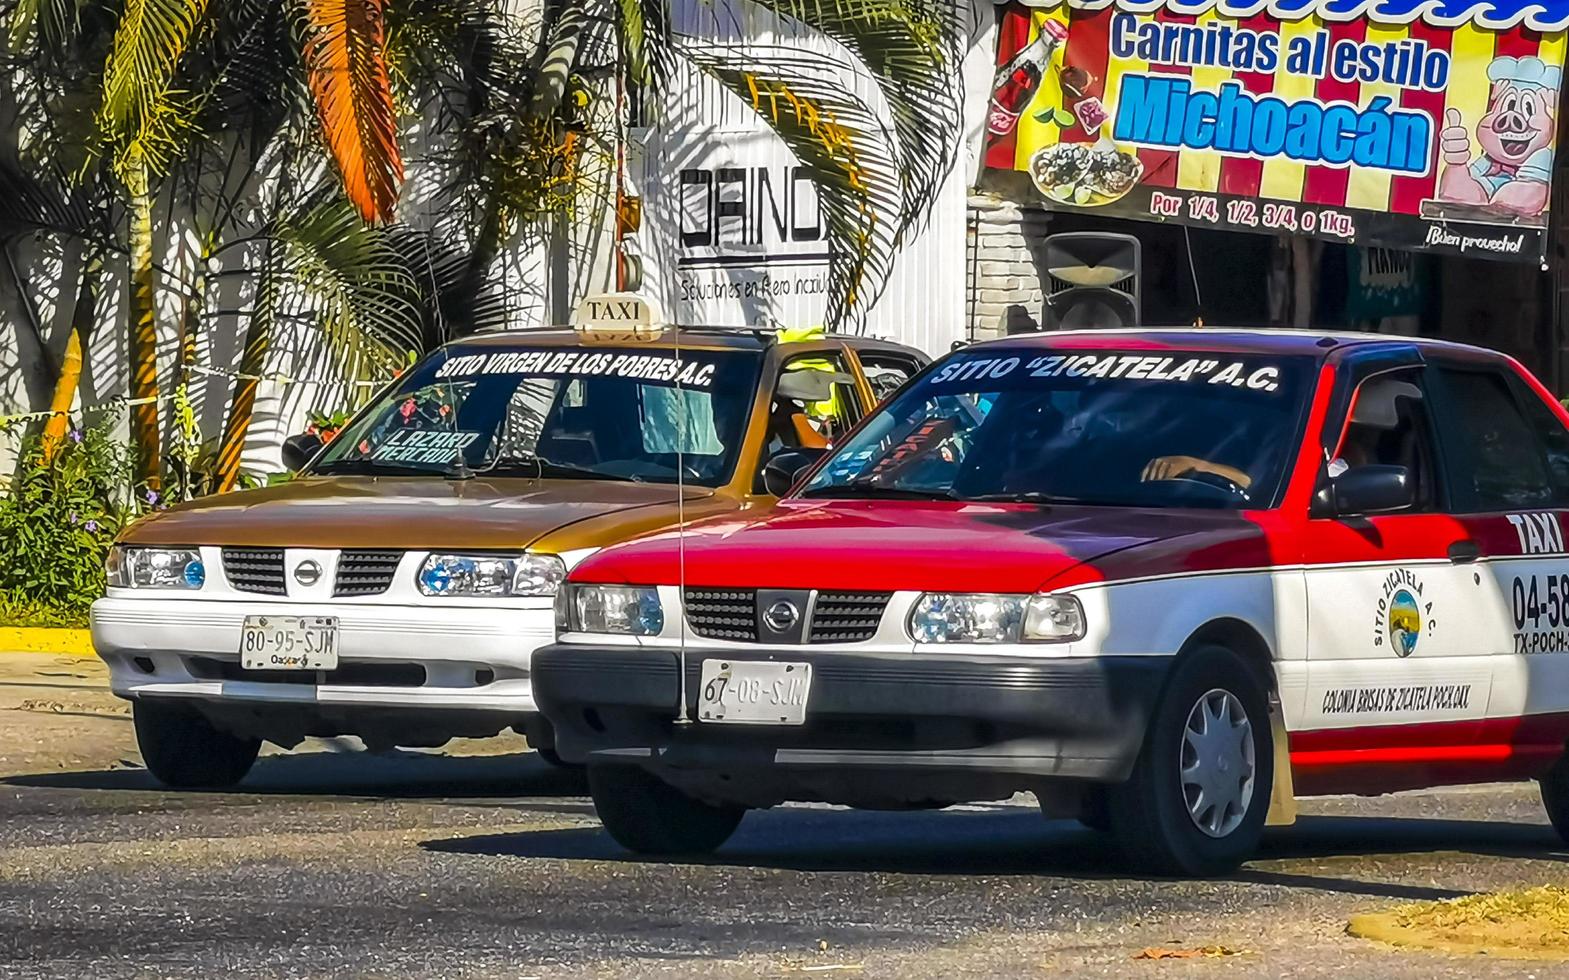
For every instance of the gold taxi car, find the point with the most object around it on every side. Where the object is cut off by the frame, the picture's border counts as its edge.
(397, 588)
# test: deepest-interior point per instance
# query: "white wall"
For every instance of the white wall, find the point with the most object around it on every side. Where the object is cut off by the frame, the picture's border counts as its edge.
(766, 266)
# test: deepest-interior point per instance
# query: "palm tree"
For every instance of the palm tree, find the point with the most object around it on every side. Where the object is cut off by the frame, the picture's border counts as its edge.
(265, 119)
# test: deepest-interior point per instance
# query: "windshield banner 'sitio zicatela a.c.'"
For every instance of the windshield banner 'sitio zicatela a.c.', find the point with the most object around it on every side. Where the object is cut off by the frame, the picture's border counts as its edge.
(1385, 122)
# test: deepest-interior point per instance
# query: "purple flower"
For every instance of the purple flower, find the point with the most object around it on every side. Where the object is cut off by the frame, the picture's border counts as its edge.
(73, 517)
(76, 435)
(91, 527)
(152, 496)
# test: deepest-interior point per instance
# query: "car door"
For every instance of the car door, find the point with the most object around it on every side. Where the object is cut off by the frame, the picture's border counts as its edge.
(1508, 461)
(1393, 639)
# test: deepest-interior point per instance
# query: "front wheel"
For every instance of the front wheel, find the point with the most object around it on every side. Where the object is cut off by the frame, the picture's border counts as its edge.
(182, 749)
(1555, 797)
(646, 815)
(1196, 801)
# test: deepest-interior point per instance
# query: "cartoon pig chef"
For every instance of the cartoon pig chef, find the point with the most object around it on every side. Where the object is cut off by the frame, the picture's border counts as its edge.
(1516, 135)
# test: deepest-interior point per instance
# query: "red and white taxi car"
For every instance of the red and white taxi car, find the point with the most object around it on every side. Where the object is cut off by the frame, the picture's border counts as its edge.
(1166, 580)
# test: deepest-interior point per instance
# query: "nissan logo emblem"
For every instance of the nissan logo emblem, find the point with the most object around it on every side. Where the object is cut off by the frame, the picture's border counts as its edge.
(307, 572)
(780, 616)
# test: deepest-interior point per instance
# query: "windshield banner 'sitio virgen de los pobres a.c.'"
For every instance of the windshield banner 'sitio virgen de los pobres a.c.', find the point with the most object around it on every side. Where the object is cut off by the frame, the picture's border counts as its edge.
(1383, 122)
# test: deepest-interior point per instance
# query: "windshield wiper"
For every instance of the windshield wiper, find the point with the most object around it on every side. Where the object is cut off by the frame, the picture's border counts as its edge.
(370, 467)
(1024, 497)
(861, 489)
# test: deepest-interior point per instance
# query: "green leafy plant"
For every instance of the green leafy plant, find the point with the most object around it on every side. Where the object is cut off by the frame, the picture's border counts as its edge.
(58, 518)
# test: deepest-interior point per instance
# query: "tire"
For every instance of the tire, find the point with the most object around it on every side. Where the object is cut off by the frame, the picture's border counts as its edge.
(183, 750)
(1150, 813)
(1094, 813)
(646, 815)
(1555, 797)
(542, 739)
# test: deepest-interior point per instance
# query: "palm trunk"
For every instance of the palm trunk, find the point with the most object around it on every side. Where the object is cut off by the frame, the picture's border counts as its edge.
(258, 338)
(142, 337)
(487, 245)
(71, 363)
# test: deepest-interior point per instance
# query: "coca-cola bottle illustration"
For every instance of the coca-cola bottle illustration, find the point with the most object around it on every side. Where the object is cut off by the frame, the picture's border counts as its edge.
(1017, 80)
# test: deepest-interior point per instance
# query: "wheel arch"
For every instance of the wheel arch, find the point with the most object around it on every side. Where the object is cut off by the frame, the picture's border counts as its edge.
(1242, 639)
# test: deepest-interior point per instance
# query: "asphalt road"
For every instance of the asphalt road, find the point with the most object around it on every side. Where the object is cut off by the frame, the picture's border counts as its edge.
(345, 864)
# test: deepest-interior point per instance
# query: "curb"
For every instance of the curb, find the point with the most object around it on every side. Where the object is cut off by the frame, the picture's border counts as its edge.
(33, 639)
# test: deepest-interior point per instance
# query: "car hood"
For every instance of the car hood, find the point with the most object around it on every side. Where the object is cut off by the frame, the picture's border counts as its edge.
(898, 545)
(421, 512)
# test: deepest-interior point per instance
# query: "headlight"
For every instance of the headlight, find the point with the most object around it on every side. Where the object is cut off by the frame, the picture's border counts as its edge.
(631, 610)
(491, 575)
(155, 568)
(940, 617)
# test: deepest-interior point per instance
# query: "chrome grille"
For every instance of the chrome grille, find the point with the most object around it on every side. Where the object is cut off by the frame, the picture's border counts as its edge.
(847, 617)
(365, 572)
(723, 614)
(255, 570)
(836, 617)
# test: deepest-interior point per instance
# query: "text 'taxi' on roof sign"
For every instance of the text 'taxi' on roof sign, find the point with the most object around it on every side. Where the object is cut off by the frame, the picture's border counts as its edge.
(618, 317)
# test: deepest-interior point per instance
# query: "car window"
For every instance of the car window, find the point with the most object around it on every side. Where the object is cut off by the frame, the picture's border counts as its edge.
(593, 413)
(886, 372)
(1493, 455)
(1108, 427)
(1554, 438)
(804, 422)
(1400, 434)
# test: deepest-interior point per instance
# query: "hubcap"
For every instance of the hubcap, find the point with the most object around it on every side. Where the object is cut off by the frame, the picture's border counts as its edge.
(1216, 763)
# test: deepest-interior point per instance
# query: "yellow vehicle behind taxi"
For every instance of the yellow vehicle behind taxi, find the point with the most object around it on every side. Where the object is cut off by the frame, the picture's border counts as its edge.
(396, 588)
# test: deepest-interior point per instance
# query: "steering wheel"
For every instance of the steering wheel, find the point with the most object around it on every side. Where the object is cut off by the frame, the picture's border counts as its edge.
(1211, 482)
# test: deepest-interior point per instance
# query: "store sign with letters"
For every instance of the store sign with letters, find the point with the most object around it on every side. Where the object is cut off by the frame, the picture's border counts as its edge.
(1381, 122)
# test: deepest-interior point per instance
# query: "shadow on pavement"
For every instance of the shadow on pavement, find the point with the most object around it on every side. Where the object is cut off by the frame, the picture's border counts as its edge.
(395, 775)
(1020, 843)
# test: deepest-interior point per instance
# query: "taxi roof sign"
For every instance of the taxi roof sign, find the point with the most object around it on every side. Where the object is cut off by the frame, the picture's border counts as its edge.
(618, 318)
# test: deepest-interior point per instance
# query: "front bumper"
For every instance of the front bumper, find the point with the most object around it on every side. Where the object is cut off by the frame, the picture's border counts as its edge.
(1075, 718)
(458, 659)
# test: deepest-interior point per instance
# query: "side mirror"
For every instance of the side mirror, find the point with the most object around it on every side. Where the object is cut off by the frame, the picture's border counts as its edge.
(1372, 489)
(784, 467)
(298, 450)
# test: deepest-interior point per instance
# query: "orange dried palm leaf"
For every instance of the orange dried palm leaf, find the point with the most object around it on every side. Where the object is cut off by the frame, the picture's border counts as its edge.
(345, 60)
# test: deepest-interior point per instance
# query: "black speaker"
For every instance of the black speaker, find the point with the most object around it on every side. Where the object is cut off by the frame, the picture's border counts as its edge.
(1093, 281)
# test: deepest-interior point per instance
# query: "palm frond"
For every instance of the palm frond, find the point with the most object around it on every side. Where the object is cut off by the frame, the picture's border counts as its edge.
(20, 25)
(914, 50)
(647, 41)
(141, 117)
(344, 52)
(249, 65)
(356, 284)
(843, 147)
(450, 305)
(40, 199)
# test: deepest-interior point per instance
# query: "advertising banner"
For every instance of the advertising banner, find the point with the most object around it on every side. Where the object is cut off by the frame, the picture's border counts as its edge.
(1383, 122)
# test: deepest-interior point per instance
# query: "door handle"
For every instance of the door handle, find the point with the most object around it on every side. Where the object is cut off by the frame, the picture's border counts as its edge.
(1464, 552)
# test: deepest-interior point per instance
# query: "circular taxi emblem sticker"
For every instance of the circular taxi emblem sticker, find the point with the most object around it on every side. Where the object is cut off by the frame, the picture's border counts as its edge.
(1405, 623)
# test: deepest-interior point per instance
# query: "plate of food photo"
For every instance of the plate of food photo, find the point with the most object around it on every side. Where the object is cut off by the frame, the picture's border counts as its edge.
(1085, 174)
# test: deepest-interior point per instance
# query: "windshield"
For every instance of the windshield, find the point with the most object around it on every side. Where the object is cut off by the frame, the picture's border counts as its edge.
(1114, 428)
(580, 413)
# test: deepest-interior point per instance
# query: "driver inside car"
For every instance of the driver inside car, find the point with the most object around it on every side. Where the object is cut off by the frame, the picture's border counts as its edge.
(1183, 467)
